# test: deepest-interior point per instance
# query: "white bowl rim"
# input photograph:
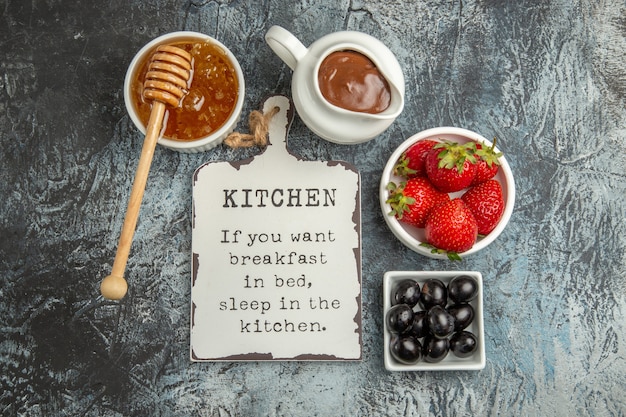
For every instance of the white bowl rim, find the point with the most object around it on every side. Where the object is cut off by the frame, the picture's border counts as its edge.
(201, 143)
(399, 230)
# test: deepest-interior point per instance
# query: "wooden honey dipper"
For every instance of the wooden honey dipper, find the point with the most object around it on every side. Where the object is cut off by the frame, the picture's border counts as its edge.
(165, 84)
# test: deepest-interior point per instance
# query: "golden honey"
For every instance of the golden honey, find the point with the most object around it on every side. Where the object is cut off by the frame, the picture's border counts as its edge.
(213, 90)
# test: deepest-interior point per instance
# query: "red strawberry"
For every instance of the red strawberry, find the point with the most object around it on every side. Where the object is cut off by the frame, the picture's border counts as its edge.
(451, 166)
(412, 201)
(451, 227)
(411, 162)
(486, 203)
(487, 164)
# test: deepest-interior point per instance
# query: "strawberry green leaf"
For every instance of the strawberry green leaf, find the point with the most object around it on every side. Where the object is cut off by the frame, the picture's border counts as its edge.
(453, 256)
(454, 155)
(402, 169)
(489, 154)
(391, 186)
(398, 202)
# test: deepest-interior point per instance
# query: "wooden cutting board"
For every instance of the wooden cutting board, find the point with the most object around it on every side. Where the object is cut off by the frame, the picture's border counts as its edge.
(276, 245)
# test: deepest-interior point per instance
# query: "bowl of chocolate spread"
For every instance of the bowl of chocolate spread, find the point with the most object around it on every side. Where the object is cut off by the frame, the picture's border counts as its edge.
(347, 87)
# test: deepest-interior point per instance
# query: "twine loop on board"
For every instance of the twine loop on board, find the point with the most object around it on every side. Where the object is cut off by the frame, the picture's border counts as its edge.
(259, 128)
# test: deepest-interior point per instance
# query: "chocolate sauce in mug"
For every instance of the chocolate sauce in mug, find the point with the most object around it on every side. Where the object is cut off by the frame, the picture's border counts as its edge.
(350, 80)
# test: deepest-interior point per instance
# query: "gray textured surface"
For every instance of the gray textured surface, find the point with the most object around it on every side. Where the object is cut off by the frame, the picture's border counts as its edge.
(545, 76)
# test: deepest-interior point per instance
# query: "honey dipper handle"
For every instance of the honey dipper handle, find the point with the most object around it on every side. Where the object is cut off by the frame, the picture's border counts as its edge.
(114, 286)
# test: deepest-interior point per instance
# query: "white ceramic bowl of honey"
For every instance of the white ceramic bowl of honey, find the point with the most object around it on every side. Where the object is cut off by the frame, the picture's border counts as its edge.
(212, 107)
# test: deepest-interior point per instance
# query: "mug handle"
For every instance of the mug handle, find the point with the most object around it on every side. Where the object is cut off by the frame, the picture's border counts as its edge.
(285, 45)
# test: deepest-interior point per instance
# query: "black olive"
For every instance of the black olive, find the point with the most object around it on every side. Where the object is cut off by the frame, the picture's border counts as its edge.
(463, 344)
(399, 318)
(406, 292)
(419, 328)
(440, 322)
(463, 315)
(433, 293)
(405, 349)
(462, 289)
(435, 350)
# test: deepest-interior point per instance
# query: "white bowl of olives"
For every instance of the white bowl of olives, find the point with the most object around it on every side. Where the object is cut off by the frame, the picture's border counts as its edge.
(433, 321)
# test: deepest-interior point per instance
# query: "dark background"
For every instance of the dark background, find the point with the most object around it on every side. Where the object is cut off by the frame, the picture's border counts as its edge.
(546, 77)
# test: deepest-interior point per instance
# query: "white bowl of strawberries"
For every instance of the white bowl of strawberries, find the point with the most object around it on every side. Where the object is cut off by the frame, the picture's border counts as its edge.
(447, 192)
